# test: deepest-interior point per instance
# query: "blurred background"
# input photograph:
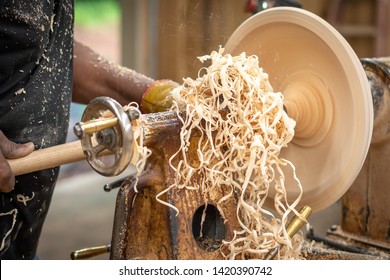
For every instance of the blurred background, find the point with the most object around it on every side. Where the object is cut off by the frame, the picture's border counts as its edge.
(163, 39)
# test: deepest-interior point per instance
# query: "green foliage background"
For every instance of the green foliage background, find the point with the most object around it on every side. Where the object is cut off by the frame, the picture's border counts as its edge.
(92, 13)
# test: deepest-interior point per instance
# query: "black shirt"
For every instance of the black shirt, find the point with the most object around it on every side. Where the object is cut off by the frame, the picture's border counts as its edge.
(36, 51)
(36, 48)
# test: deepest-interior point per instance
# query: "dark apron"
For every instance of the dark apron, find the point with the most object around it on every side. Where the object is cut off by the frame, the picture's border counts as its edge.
(36, 56)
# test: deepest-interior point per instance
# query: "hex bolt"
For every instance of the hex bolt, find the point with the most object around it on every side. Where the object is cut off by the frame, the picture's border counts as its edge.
(106, 137)
(132, 114)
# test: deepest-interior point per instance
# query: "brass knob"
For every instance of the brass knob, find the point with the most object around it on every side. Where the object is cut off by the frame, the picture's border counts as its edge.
(91, 252)
(292, 228)
(297, 222)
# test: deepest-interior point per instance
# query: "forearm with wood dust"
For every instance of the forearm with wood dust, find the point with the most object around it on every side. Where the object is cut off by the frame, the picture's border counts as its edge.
(95, 76)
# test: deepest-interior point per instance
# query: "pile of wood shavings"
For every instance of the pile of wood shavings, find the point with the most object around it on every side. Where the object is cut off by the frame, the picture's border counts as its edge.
(242, 127)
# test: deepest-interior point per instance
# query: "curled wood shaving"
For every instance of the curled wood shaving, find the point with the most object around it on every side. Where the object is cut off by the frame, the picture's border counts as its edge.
(242, 127)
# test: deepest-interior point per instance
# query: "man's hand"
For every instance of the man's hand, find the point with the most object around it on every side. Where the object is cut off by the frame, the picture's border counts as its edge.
(10, 150)
(158, 97)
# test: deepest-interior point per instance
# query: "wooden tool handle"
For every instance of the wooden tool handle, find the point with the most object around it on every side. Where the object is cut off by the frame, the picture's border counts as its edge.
(156, 126)
(47, 158)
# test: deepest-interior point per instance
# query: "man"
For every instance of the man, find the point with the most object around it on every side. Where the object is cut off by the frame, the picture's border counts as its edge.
(40, 67)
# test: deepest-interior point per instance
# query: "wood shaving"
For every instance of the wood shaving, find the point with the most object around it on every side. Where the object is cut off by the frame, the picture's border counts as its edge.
(20, 91)
(24, 198)
(140, 152)
(52, 22)
(14, 213)
(242, 127)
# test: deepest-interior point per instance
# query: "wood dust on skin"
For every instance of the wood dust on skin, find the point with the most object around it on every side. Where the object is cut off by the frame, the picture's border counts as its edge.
(105, 40)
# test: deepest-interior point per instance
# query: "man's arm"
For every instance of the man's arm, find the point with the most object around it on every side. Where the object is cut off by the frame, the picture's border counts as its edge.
(95, 76)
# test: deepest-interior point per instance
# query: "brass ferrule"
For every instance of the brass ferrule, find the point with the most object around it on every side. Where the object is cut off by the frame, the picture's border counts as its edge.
(90, 252)
(93, 126)
(298, 221)
(292, 228)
